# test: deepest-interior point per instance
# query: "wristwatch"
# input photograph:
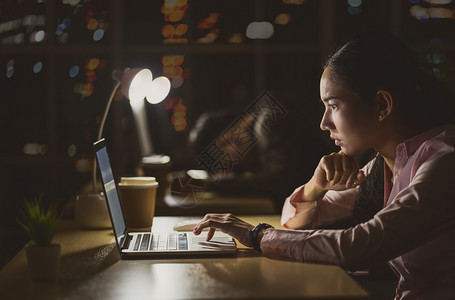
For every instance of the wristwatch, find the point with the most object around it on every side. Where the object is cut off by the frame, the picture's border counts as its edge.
(254, 235)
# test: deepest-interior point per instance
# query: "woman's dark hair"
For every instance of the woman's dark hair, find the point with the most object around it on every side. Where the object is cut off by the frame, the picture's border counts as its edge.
(379, 61)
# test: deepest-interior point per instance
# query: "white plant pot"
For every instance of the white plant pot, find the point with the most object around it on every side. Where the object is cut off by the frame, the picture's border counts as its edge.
(43, 261)
(91, 211)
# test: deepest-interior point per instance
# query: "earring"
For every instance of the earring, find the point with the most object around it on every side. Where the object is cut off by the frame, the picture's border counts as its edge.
(380, 117)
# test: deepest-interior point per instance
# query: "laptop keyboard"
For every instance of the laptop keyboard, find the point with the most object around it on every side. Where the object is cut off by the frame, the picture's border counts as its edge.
(161, 241)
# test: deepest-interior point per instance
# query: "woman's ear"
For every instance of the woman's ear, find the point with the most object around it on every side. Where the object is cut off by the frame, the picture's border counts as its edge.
(384, 102)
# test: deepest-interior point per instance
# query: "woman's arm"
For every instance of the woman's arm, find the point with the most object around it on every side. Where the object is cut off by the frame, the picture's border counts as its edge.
(298, 213)
(420, 212)
(329, 195)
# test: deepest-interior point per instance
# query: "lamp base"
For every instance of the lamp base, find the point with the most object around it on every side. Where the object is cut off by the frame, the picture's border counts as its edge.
(91, 211)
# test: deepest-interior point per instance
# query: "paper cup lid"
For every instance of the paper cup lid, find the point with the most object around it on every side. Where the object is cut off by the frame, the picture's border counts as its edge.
(146, 181)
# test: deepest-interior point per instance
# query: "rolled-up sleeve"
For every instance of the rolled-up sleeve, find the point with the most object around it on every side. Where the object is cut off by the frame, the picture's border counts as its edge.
(299, 213)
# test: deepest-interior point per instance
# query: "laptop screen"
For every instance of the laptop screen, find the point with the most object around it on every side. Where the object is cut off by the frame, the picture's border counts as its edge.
(111, 190)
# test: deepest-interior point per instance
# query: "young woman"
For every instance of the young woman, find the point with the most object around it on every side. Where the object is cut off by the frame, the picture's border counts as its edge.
(400, 207)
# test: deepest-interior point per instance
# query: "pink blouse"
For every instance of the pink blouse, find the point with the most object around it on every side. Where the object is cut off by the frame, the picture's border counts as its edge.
(415, 231)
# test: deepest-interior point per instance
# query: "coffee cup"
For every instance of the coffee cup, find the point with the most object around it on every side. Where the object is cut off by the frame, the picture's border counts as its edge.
(138, 199)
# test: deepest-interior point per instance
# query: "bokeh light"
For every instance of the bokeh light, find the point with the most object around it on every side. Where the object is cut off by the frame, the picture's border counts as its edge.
(236, 38)
(98, 35)
(419, 13)
(92, 64)
(34, 149)
(10, 68)
(181, 29)
(90, 76)
(177, 82)
(435, 58)
(209, 22)
(441, 13)
(282, 19)
(424, 14)
(62, 26)
(178, 118)
(175, 60)
(174, 10)
(437, 72)
(355, 3)
(210, 37)
(259, 30)
(83, 165)
(92, 24)
(71, 2)
(72, 150)
(74, 71)
(59, 30)
(168, 31)
(84, 89)
(172, 65)
(37, 67)
(37, 36)
(173, 34)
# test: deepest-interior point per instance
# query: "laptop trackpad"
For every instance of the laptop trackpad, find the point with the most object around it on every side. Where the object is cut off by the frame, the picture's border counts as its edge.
(217, 242)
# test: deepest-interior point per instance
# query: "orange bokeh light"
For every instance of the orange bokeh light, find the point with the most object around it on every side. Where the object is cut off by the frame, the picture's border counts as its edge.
(90, 75)
(92, 24)
(174, 60)
(282, 19)
(168, 31)
(209, 22)
(236, 38)
(172, 71)
(174, 16)
(92, 64)
(181, 29)
(178, 118)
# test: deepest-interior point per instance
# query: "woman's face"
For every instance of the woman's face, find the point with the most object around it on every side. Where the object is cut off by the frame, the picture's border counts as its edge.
(351, 123)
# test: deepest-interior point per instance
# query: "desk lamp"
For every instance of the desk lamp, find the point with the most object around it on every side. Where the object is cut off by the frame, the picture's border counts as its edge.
(136, 84)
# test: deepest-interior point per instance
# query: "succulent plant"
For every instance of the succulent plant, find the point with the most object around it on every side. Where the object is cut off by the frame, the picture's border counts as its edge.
(39, 223)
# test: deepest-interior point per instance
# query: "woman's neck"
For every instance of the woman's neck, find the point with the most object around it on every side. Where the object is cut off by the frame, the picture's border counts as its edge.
(389, 159)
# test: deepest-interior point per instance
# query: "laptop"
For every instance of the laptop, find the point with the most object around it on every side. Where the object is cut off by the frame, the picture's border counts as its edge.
(132, 244)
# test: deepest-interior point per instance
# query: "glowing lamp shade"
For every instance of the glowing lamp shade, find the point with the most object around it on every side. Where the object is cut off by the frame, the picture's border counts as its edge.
(158, 90)
(138, 84)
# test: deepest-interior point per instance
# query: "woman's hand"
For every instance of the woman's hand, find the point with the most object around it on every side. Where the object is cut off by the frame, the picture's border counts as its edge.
(334, 172)
(227, 223)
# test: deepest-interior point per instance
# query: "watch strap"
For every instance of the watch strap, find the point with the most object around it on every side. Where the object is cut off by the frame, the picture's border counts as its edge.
(254, 235)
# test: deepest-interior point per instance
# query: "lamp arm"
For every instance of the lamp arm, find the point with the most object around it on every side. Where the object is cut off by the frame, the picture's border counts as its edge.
(100, 131)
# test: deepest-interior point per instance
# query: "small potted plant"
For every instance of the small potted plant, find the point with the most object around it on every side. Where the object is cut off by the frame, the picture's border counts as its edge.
(41, 224)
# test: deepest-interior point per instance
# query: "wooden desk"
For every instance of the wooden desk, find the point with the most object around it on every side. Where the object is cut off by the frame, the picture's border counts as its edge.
(91, 269)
